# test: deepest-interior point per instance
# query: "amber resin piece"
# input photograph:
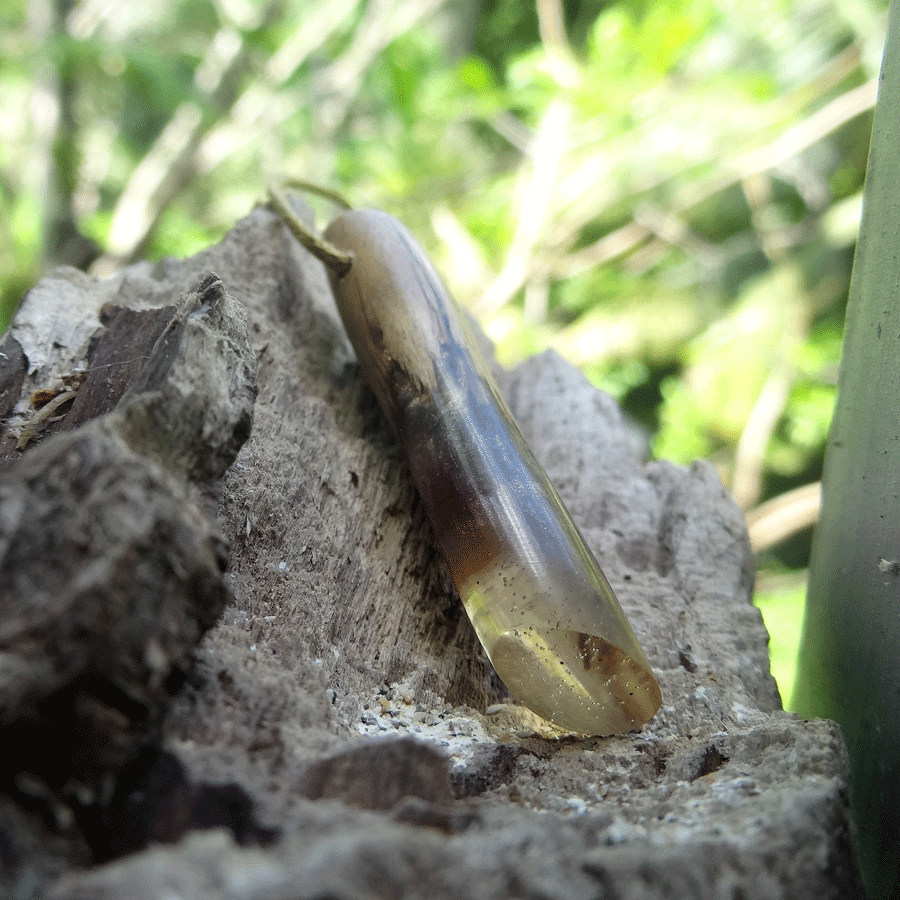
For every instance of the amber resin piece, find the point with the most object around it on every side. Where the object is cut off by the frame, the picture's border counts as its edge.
(537, 598)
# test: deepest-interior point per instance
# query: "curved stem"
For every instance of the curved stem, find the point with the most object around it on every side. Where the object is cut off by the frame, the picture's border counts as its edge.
(337, 260)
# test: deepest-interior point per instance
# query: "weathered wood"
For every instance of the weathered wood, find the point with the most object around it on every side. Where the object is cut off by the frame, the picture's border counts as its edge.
(344, 630)
(110, 569)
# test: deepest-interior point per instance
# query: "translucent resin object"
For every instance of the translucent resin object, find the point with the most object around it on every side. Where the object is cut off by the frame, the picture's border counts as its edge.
(537, 598)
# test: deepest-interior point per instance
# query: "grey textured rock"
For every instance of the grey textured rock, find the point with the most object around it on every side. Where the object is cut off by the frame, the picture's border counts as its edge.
(205, 865)
(345, 631)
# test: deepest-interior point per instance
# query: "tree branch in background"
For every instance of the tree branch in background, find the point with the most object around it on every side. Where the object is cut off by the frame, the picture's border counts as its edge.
(170, 163)
(767, 410)
(794, 141)
(156, 180)
(257, 114)
(63, 243)
(785, 146)
(668, 231)
(552, 28)
(384, 21)
(512, 129)
(749, 455)
(781, 517)
(586, 189)
(192, 142)
(544, 158)
(544, 161)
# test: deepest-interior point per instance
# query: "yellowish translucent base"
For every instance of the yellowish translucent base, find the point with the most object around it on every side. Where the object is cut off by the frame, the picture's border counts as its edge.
(540, 603)
(549, 651)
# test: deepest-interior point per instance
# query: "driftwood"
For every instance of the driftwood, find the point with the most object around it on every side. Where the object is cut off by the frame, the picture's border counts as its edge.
(340, 732)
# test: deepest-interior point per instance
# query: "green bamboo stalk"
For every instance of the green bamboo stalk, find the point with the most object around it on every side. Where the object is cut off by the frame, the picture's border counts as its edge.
(849, 668)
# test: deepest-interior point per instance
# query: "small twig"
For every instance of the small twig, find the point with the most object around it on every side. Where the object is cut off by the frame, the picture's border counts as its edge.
(336, 260)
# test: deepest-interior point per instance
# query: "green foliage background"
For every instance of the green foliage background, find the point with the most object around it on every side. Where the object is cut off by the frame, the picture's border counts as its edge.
(667, 193)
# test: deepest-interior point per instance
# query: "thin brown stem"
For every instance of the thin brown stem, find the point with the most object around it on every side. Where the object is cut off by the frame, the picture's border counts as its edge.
(336, 260)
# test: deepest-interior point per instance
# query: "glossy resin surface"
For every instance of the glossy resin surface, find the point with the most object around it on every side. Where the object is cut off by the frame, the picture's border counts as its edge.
(537, 598)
